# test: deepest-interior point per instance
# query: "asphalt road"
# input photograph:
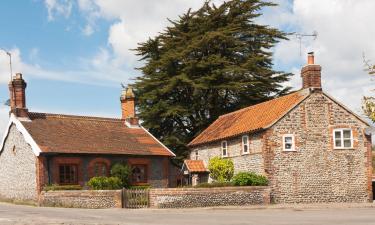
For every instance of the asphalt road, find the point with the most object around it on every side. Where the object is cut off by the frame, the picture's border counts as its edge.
(17, 214)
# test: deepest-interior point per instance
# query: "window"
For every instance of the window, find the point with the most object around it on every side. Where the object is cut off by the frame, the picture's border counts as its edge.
(100, 169)
(196, 155)
(288, 142)
(224, 149)
(342, 138)
(245, 144)
(68, 174)
(139, 174)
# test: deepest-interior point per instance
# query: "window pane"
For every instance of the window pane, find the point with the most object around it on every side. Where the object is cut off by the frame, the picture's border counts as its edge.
(288, 140)
(245, 148)
(224, 144)
(224, 152)
(244, 140)
(288, 146)
(337, 134)
(347, 134)
(139, 174)
(347, 143)
(338, 143)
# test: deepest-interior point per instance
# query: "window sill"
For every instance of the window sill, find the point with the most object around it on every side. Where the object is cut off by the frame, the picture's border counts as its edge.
(289, 150)
(224, 156)
(350, 148)
(245, 153)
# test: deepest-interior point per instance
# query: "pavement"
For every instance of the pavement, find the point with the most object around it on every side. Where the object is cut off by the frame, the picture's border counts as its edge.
(319, 214)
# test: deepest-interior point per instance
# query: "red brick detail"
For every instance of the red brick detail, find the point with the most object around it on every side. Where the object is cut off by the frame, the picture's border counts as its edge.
(91, 166)
(17, 96)
(311, 76)
(40, 173)
(66, 160)
(369, 167)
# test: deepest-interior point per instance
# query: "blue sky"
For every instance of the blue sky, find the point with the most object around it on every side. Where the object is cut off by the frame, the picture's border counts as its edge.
(75, 53)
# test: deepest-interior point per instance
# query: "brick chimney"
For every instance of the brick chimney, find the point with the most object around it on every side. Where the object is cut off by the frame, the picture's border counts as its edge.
(128, 106)
(17, 88)
(311, 74)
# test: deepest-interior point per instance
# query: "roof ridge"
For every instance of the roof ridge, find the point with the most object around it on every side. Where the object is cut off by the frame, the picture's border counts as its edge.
(33, 115)
(261, 103)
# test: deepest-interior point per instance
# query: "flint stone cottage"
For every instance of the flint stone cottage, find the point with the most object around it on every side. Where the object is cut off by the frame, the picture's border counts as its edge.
(41, 148)
(311, 147)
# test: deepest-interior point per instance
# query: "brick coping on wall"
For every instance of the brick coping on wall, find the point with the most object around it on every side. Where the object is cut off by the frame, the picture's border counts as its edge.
(212, 189)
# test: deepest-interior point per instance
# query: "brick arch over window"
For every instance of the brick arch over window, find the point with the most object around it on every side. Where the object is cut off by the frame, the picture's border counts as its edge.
(102, 161)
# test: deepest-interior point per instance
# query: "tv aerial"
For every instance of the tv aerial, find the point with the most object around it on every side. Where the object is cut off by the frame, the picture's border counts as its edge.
(300, 36)
(10, 61)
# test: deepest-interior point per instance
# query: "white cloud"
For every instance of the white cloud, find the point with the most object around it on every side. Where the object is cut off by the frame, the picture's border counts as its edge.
(58, 8)
(344, 32)
(343, 26)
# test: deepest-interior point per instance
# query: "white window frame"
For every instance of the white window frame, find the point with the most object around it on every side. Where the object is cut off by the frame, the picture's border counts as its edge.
(247, 144)
(341, 130)
(196, 155)
(293, 148)
(226, 149)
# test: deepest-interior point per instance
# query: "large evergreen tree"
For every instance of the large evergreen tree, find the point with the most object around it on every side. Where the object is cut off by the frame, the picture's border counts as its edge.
(205, 64)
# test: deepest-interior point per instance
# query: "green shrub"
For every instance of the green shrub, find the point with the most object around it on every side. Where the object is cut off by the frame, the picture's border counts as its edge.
(56, 187)
(214, 184)
(121, 171)
(249, 179)
(104, 183)
(221, 170)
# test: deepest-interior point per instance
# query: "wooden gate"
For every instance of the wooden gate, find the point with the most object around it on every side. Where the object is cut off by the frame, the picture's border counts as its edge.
(135, 198)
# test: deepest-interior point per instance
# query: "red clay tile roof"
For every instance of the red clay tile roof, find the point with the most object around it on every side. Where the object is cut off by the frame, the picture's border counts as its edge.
(55, 133)
(249, 119)
(196, 166)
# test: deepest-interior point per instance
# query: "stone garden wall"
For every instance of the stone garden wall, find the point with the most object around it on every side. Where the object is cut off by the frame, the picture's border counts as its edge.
(82, 199)
(204, 197)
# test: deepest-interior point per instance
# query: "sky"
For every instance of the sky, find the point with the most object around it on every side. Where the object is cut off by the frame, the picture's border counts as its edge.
(74, 54)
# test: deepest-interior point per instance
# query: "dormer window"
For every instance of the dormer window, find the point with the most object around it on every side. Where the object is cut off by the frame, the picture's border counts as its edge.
(245, 144)
(342, 138)
(288, 143)
(224, 149)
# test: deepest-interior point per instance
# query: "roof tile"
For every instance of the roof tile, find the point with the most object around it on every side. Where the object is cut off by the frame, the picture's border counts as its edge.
(249, 119)
(81, 134)
(195, 166)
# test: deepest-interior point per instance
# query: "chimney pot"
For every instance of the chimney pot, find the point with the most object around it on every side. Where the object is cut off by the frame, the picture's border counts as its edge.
(310, 58)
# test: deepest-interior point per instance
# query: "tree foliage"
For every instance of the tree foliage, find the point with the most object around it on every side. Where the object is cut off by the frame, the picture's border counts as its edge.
(207, 63)
(221, 170)
(368, 104)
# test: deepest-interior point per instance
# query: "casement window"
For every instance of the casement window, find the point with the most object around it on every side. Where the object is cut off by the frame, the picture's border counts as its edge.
(68, 173)
(100, 169)
(196, 155)
(288, 143)
(342, 138)
(224, 149)
(245, 144)
(139, 174)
